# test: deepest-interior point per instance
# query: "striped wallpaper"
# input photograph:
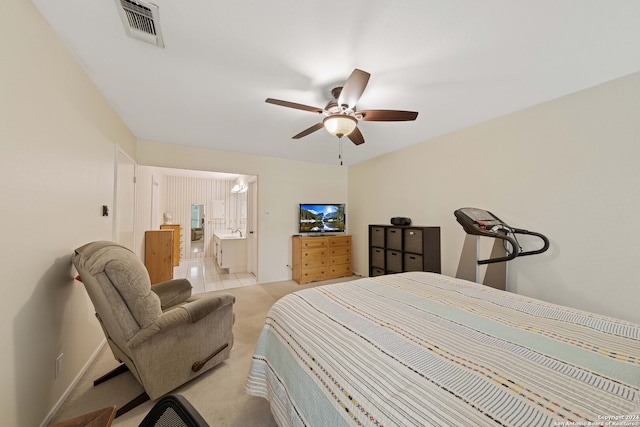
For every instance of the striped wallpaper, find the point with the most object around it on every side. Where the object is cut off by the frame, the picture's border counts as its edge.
(222, 209)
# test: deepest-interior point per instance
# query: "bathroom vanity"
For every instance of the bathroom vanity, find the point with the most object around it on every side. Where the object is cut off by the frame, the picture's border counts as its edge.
(230, 250)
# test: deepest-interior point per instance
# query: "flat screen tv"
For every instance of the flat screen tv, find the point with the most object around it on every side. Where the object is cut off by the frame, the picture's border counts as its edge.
(322, 218)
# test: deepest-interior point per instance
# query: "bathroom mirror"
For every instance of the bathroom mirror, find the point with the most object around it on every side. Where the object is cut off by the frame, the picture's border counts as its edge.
(197, 228)
(238, 211)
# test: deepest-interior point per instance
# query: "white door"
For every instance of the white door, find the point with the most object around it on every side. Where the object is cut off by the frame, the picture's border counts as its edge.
(125, 200)
(252, 228)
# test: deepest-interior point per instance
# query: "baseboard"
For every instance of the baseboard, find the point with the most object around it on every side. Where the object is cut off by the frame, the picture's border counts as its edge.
(73, 384)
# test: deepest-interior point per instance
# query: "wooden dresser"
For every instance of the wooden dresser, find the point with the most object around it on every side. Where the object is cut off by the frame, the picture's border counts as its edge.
(158, 255)
(321, 258)
(177, 241)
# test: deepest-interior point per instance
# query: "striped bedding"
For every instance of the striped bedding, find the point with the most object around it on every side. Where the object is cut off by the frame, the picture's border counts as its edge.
(422, 349)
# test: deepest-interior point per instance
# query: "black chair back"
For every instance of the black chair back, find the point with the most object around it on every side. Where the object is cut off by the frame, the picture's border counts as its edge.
(173, 410)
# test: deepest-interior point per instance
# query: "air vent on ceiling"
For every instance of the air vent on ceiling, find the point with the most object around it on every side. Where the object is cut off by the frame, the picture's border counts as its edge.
(141, 20)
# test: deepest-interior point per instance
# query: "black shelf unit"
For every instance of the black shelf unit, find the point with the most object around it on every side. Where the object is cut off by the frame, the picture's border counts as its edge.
(396, 249)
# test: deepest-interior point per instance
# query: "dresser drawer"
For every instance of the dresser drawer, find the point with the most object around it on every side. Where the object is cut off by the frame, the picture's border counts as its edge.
(342, 259)
(339, 241)
(313, 274)
(313, 242)
(340, 250)
(313, 257)
(340, 270)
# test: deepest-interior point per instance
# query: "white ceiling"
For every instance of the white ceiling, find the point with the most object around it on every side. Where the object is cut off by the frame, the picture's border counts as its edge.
(455, 62)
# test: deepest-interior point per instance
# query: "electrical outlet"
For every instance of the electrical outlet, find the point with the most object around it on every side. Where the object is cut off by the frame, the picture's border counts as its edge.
(58, 365)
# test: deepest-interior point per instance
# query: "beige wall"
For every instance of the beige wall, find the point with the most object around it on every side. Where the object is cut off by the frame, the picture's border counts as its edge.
(567, 168)
(58, 138)
(282, 185)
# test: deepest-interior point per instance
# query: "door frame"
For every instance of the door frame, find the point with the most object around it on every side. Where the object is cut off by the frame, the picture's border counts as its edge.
(124, 199)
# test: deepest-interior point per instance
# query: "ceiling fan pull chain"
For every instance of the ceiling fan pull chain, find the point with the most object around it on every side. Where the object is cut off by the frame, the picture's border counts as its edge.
(340, 150)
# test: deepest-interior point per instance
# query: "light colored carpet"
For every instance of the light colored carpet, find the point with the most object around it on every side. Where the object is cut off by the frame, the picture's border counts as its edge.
(218, 394)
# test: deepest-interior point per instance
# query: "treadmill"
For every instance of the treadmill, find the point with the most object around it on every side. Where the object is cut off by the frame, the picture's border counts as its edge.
(479, 222)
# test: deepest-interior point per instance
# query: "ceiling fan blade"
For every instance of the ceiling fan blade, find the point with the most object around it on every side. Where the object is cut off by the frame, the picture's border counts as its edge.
(306, 132)
(388, 115)
(356, 137)
(353, 88)
(293, 105)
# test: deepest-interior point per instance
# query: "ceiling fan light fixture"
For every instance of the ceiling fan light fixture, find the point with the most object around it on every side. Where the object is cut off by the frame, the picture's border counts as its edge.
(340, 124)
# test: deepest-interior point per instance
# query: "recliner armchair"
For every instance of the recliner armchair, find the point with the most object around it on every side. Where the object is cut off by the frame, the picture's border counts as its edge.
(164, 335)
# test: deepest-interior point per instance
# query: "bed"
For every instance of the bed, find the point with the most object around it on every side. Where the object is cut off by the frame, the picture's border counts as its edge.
(423, 349)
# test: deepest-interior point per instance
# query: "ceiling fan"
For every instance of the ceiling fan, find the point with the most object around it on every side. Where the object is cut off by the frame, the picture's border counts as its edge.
(341, 117)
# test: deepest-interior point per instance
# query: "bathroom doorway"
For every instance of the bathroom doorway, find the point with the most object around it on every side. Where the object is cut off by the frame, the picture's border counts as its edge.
(197, 225)
(202, 203)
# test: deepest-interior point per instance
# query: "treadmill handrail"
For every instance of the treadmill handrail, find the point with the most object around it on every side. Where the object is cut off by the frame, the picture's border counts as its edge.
(512, 255)
(514, 244)
(533, 233)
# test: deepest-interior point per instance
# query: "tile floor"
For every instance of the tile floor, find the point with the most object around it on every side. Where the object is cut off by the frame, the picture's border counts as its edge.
(205, 275)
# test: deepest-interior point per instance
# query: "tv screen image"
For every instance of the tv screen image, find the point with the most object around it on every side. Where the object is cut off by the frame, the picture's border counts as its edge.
(322, 218)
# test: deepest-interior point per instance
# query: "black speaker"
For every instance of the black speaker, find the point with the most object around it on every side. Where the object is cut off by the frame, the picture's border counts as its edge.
(400, 220)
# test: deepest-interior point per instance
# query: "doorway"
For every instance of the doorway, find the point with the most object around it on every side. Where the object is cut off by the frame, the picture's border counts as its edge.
(197, 228)
(202, 203)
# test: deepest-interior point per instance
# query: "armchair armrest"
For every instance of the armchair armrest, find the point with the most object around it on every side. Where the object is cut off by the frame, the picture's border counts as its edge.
(203, 304)
(172, 292)
(198, 308)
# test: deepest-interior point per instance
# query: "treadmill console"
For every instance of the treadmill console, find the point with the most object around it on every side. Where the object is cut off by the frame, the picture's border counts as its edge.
(472, 218)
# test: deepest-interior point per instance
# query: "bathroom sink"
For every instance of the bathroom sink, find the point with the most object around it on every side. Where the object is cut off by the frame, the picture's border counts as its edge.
(226, 235)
